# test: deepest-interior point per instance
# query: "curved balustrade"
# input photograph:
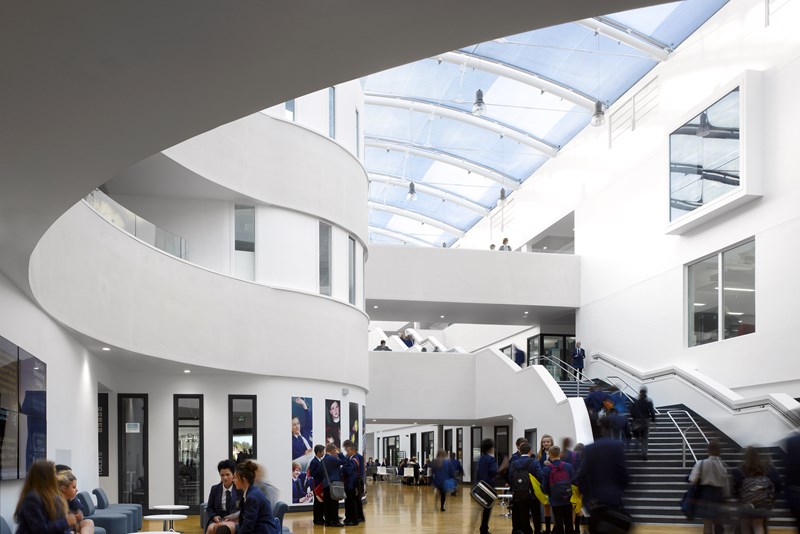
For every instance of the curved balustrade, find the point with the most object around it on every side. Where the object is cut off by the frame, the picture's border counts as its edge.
(119, 215)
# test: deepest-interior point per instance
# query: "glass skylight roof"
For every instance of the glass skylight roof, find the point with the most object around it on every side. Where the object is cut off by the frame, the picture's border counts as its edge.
(539, 88)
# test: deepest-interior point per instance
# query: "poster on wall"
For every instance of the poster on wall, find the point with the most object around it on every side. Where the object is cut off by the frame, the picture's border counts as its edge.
(302, 431)
(32, 410)
(355, 426)
(333, 422)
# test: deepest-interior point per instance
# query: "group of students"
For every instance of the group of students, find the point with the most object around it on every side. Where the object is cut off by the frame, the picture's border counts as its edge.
(239, 504)
(550, 471)
(48, 502)
(331, 465)
(555, 483)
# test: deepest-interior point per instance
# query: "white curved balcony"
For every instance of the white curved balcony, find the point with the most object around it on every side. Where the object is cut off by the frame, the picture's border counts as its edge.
(105, 283)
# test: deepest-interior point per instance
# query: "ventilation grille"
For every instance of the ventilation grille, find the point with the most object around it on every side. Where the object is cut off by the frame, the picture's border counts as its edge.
(633, 111)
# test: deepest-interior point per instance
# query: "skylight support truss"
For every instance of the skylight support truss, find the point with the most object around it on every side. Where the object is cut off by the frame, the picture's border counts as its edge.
(436, 223)
(399, 236)
(508, 182)
(498, 68)
(453, 113)
(626, 36)
(422, 188)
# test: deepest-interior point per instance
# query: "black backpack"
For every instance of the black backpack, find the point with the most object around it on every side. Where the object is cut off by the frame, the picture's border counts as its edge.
(521, 487)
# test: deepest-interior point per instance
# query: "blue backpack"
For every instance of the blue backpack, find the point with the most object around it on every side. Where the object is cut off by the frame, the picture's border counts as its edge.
(560, 485)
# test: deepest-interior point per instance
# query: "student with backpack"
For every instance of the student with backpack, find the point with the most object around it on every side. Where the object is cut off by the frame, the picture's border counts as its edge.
(526, 506)
(557, 484)
(755, 484)
(487, 471)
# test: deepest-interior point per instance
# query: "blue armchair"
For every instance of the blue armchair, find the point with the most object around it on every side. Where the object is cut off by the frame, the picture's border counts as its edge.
(104, 504)
(111, 522)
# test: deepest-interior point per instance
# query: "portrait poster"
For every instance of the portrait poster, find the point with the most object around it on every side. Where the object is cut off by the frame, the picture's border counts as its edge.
(302, 431)
(333, 422)
(355, 426)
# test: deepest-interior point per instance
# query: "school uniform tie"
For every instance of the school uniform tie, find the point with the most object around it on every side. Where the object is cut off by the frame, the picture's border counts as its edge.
(227, 504)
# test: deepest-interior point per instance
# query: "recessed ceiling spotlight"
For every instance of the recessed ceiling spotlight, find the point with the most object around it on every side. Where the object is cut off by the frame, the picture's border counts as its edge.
(526, 313)
(374, 420)
(187, 371)
(106, 349)
(441, 316)
(511, 418)
(375, 307)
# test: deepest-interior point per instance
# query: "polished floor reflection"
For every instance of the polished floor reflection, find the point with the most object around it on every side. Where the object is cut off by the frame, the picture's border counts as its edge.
(399, 509)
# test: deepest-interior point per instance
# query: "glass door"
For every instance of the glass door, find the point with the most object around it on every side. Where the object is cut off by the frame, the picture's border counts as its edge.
(427, 446)
(188, 420)
(476, 436)
(132, 444)
(242, 427)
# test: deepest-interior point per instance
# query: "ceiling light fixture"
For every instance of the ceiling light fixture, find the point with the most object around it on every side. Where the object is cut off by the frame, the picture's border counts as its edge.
(599, 116)
(441, 316)
(502, 200)
(375, 307)
(699, 303)
(705, 127)
(187, 371)
(412, 192)
(106, 349)
(479, 107)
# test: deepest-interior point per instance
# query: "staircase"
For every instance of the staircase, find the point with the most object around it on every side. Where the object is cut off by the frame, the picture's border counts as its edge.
(657, 485)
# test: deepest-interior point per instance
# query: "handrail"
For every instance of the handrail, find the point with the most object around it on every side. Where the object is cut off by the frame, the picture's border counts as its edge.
(790, 416)
(633, 400)
(683, 434)
(564, 366)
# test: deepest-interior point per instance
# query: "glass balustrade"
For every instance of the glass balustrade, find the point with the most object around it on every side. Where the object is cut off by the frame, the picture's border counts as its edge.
(124, 218)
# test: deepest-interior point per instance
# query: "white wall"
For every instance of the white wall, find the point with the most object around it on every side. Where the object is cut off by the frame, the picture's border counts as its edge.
(469, 387)
(461, 275)
(311, 111)
(101, 281)
(72, 375)
(270, 160)
(632, 302)
(273, 430)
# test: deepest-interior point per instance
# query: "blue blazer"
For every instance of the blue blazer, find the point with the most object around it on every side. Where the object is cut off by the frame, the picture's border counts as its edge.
(256, 515)
(603, 475)
(526, 462)
(350, 473)
(214, 506)
(442, 472)
(487, 469)
(333, 464)
(33, 519)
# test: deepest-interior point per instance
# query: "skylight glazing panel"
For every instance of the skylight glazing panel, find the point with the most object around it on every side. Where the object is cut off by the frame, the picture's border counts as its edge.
(671, 23)
(396, 163)
(471, 186)
(381, 239)
(425, 204)
(485, 147)
(426, 232)
(574, 56)
(379, 218)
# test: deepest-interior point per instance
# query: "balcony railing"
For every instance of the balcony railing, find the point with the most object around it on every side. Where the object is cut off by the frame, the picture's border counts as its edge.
(124, 218)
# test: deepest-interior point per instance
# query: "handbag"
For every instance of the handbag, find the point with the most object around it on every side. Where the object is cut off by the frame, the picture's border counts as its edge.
(336, 487)
(483, 494)
(692, 496)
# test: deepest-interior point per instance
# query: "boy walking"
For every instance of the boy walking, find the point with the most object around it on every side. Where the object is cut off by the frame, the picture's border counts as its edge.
(557, 484)
(526, 505)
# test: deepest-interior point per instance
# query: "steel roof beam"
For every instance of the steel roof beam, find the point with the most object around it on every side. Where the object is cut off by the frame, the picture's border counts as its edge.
(436, 223)
(434, 191)
(510, 183)
(512, 72)
(626, 36)
(449, 112)
(399, 236)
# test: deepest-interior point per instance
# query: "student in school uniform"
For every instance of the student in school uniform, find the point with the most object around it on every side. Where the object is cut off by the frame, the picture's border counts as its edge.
(557, 484)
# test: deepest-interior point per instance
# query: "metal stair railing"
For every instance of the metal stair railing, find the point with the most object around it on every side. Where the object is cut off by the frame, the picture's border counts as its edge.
(684, 433)
(571, 371)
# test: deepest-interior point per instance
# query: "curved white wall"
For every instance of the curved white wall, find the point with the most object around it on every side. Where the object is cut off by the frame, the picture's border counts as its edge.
(103, 282)
(280, 163)
(312, 111)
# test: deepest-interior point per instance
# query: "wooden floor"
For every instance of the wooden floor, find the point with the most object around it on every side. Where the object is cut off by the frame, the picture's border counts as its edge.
(399, 509)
